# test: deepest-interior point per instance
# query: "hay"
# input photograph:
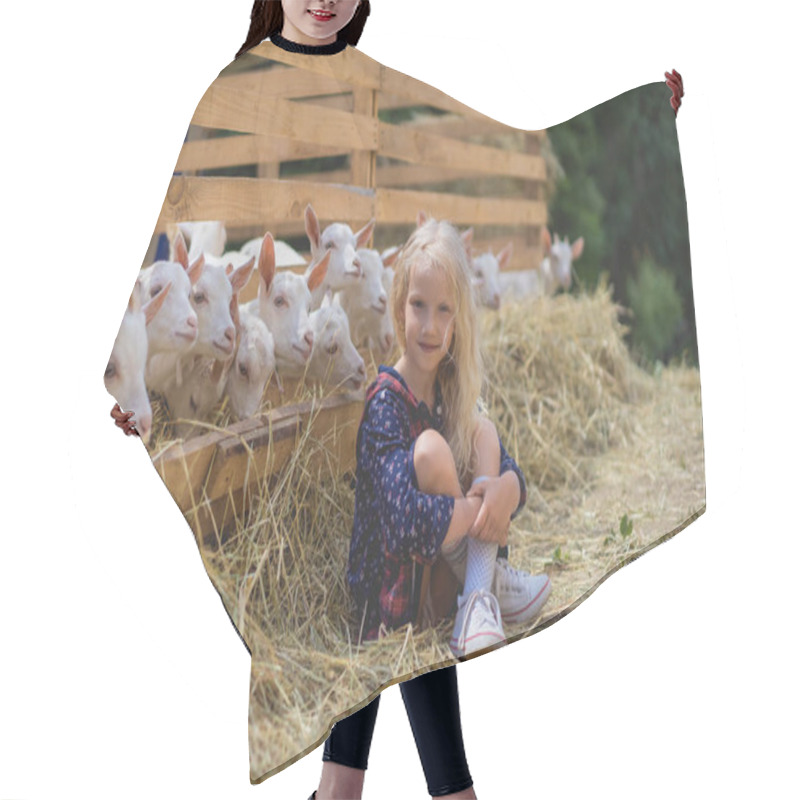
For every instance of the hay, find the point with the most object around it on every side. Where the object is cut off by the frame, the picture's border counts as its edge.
(560, 382)
(562, 390)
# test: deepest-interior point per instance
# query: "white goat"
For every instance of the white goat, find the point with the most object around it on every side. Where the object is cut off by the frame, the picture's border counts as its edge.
(252, 367)
(555, 270)
(124, 375)
(284, 304)
(334, 360)
(486, 269)
(339, 239)
(173, 332)
(204, 369)
(205, 236)
(365, 300)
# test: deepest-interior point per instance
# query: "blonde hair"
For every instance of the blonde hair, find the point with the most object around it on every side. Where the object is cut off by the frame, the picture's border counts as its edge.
(438, 244)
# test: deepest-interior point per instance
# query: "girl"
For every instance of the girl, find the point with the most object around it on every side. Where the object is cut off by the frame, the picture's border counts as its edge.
(422, 439)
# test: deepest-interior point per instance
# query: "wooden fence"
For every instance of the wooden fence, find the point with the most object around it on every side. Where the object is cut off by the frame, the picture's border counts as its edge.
(278, 130)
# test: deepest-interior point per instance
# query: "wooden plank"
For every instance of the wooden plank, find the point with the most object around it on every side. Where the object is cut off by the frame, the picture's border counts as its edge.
(233, 151)
(412, 174)
(399, 205)
(245, 112)
(418, 147)
(452, 125)
(457, 128)
(184, 464)
(343, 102)
(287, 82)
(261, 201)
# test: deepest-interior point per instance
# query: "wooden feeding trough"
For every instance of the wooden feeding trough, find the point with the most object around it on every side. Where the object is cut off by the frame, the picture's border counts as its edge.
(211, 476)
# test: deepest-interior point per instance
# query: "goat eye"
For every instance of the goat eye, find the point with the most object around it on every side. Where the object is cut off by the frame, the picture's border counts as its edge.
(111, 371)
(154, 290)
(333, 349)
(279, 301)
(479, 273)
(199, 298)
(243, 370)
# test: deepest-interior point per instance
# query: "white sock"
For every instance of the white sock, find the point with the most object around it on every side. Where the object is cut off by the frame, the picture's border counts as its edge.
(481, 558)
(480, 566)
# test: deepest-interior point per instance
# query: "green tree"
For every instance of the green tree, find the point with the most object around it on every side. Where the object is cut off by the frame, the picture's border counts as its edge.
(623, 192)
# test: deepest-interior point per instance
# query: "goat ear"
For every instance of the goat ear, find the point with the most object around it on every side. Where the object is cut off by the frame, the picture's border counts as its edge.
(318, 272)
(390, 256)
(547, 242)
(242, 274)
(312, 228)
(577, 248)
(326, 301)
(337, 299)
(422, 218)
(151, 307)
(266, 261)
(181, 253)
(363, 236)
(195, 269)
(504, 256)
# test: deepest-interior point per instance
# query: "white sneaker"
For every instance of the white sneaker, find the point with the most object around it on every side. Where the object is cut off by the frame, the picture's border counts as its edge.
(478, 623)
(519, 594)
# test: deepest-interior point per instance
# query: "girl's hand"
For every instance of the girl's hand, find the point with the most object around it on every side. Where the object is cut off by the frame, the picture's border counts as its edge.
(494, 517)
(123, 419)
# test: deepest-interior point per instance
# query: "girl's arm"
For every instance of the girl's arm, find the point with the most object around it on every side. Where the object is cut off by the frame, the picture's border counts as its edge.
(508, 464)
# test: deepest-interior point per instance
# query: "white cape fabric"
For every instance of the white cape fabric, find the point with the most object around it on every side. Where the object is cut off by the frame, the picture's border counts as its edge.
(610, 441)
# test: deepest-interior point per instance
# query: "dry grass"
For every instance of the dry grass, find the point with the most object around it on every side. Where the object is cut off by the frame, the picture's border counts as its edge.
(596, 438)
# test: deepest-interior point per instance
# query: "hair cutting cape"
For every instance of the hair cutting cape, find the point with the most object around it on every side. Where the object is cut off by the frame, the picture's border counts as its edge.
(578, 239)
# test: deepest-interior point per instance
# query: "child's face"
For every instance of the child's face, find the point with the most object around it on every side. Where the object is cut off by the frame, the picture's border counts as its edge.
(429, 318)
(316, 21)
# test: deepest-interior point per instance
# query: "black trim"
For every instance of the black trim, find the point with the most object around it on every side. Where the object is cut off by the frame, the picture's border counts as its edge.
(309, 49)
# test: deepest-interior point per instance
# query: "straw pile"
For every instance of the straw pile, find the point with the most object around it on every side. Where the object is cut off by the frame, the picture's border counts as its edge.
(561, 387)
(560, 382)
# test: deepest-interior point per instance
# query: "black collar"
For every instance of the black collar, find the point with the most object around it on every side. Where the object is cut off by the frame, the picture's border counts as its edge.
(309, 49)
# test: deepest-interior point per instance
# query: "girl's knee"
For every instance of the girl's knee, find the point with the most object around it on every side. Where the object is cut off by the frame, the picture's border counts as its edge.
(432, 459)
